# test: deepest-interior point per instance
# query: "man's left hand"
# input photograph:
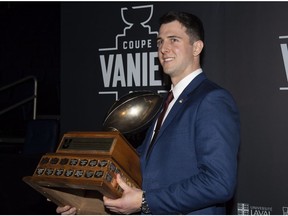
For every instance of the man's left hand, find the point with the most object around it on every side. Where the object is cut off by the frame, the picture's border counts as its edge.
(129, 203)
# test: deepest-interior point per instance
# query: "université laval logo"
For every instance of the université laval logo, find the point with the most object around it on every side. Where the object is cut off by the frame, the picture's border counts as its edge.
(247, 209)
(131, 63)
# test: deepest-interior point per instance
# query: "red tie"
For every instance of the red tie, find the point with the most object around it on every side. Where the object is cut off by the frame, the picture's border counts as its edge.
(162, 114)
(160, 118)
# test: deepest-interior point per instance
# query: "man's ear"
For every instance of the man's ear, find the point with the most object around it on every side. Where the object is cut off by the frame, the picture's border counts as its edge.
(197, 47)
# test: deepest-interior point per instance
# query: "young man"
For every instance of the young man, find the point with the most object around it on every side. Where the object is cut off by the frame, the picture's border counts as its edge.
(191, 166)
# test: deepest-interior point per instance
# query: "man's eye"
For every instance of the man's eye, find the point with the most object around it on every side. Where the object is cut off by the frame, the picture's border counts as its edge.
(174, 39)
(159, 42)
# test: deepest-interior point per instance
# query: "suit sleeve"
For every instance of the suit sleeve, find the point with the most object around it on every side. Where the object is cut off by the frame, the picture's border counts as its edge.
(217, 141)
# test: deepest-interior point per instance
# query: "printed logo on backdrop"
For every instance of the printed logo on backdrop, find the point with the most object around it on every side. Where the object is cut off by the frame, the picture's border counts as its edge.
(247, 209)
(242, 209)
(285, 210)
(284, 50)
(131, 63)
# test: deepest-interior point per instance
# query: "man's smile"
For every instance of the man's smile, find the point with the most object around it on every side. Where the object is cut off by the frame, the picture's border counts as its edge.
(168, 59)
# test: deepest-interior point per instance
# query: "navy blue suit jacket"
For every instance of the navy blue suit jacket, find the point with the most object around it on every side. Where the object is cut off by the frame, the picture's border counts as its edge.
(192, 167)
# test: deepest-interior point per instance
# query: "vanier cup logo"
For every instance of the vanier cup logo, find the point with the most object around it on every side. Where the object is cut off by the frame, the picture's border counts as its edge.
(136, 17)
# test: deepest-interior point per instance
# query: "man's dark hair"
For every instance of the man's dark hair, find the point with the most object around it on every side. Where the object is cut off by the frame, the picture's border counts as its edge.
(192, 23)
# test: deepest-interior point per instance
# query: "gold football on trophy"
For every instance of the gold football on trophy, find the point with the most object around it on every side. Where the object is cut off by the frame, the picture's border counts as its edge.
(133, 112)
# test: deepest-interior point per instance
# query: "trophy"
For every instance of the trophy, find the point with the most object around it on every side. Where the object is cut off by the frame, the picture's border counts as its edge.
(85, 164)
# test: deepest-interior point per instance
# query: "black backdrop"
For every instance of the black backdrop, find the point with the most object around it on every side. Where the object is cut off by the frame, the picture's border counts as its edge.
(245, 52)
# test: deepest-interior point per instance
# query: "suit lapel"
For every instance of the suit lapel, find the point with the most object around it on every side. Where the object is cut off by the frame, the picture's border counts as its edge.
(188, 91)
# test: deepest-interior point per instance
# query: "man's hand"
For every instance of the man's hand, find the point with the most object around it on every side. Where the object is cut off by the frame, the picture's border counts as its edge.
(66, 210)
(129, 203)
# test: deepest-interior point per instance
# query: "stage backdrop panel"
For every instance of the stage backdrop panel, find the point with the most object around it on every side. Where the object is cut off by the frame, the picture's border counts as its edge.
(108, 50)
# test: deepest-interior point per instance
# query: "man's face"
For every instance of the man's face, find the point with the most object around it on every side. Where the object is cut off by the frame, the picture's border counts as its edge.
(175, 51)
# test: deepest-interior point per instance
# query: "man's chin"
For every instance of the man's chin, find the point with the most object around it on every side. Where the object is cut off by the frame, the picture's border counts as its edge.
(167, 70)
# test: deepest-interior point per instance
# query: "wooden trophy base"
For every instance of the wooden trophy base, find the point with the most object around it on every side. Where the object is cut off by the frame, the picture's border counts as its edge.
(84, 168)
(87, 202)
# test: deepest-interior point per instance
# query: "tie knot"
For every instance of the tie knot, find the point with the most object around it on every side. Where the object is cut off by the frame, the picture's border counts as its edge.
(169, 97)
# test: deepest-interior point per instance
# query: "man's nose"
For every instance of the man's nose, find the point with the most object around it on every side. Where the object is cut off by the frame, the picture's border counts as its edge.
(165, 47)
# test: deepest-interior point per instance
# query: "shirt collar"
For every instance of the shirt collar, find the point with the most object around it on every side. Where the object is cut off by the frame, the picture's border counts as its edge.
(178, 89)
